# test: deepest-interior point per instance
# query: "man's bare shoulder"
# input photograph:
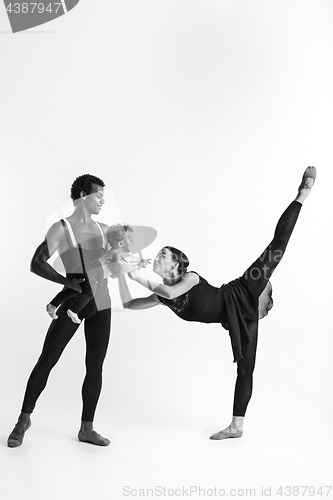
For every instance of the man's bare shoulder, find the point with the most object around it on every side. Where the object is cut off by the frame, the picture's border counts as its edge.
(105, 227)
(56, 232)
(56, 227)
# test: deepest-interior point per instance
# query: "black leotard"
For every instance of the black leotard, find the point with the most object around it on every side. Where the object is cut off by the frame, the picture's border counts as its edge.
(229, 305)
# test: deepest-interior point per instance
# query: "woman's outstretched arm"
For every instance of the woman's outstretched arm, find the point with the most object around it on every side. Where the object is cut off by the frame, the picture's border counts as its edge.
(188, 281)
(140, 303)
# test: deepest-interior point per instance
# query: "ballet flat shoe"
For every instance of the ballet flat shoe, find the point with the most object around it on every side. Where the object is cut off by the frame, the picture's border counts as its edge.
(93, 438)
(312, 174)
(226, 434)
(15, 438)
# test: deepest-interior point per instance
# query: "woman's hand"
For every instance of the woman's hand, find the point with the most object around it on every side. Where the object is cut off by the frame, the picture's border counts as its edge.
(142, 264)
(133, 276)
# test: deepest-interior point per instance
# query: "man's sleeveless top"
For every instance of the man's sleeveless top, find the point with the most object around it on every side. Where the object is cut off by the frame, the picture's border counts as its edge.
(71, 258)
(77, 257)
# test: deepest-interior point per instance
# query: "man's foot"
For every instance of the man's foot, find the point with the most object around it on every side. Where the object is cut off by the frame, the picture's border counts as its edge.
(93, 438)
(308, 179)
(229, 432)
(51, 311)
(74, 317)
(15, 438)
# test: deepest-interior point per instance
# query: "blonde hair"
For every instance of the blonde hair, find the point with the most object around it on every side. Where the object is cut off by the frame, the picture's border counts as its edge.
(115, 233)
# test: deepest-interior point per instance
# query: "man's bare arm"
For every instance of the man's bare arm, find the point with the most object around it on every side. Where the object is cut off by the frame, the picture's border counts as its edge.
(44, 251)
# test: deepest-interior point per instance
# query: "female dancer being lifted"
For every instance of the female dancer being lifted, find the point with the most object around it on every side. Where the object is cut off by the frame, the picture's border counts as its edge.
(234, 305)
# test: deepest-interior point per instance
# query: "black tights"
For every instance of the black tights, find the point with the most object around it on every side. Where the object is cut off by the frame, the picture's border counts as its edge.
(257, 276)
(97, 333)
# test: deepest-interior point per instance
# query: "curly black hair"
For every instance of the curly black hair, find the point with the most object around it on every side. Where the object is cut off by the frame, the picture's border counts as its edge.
(84, 183)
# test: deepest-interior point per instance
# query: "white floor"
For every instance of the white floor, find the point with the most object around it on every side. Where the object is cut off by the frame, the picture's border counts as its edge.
(164, 393)
(161, 453)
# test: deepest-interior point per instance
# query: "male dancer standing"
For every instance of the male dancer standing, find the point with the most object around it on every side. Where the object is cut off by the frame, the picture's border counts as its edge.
(64, 236)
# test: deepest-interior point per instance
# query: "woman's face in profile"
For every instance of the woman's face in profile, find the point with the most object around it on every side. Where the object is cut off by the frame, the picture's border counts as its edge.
(163, 262)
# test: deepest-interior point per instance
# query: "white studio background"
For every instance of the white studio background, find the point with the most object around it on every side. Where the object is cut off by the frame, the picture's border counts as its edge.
(200, 117)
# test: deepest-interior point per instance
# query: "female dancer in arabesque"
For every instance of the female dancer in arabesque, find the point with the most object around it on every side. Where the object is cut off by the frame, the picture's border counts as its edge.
(234, 305)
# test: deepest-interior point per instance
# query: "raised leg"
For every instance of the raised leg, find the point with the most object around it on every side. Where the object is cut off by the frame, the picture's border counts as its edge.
(262, 269)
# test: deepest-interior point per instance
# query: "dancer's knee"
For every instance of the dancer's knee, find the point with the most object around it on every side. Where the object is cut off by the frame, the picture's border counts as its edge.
(94, 371)
(46, 362)
(245, 369)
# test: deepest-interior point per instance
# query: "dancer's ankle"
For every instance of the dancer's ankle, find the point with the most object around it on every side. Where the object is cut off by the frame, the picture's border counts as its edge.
(88, 435)
(237, 423)
(24, 418)
(86, 427)
(301, 197)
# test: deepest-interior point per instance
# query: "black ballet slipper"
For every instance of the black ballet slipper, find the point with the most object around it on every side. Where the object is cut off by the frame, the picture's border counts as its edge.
(15, 438)
(93, 437)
